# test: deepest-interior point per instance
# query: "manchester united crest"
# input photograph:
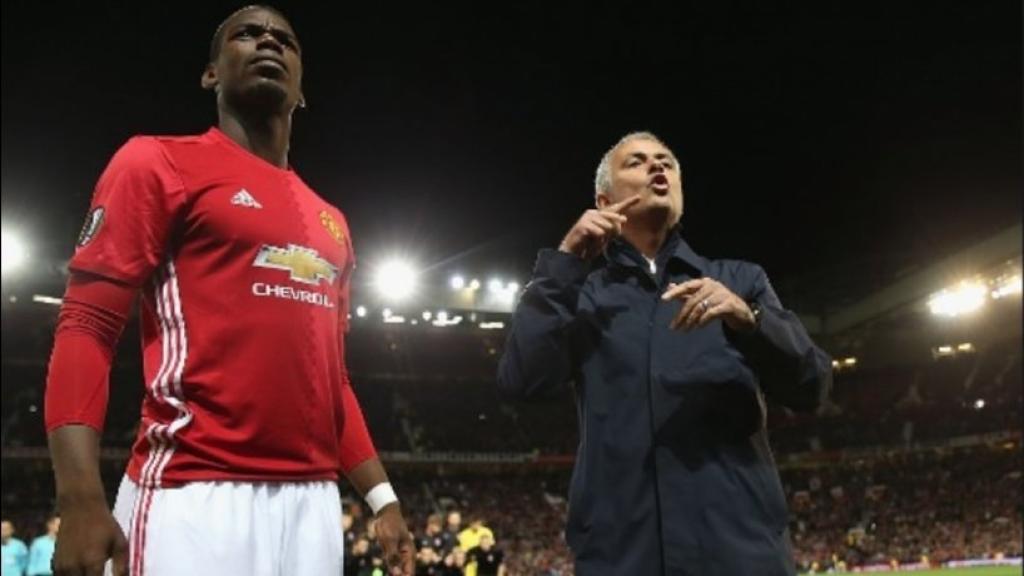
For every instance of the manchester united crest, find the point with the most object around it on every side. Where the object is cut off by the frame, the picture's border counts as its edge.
(332, 226)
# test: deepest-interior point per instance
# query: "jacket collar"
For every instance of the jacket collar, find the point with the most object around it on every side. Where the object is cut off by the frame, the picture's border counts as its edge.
(623, 254)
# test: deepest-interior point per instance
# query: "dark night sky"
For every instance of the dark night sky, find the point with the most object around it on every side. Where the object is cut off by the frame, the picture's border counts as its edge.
(836, 143)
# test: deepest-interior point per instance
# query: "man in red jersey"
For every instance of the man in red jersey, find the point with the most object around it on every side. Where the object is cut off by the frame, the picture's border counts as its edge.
(248, 412)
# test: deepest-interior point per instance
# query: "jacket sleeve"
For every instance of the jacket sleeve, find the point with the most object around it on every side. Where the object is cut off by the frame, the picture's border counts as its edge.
(793, 370)
(538, 352)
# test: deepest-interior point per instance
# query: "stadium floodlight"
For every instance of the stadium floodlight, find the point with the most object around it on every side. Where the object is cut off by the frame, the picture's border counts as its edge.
(979, 403)
(474, 284)
(442, 316)
(512, 287)
(966, 297)
(495, 286)
(361, 311)
(965, 347)
(15, 252)
(1007, 287)
(395, 280)
(42, 299)
(427, 315)
(457, 282)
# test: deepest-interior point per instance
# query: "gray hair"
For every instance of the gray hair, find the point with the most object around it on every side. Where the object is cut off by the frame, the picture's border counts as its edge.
(603, 177)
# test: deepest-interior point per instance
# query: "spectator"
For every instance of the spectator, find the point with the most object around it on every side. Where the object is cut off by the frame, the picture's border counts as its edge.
(435, 537)
(489, 560)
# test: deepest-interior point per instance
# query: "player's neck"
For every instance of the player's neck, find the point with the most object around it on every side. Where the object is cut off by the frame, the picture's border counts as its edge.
(267, 138)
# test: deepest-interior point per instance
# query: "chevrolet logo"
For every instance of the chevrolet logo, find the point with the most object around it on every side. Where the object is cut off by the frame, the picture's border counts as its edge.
(303, 264)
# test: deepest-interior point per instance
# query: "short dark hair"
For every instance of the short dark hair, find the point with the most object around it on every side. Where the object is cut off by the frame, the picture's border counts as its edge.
(218, 34)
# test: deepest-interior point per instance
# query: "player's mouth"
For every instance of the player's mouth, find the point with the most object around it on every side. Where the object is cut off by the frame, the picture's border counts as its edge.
(659, 184)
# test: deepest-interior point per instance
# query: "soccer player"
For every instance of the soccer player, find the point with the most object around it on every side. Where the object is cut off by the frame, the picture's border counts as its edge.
(15, 554)
(248, 412)
(40, 554)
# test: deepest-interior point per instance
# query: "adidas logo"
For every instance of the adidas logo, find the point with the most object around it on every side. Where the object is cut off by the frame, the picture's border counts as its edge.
(243, 198)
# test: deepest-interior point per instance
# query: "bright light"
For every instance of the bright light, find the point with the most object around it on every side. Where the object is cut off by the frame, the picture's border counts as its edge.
(394, 319)
(457, 282)
(444, 320)
(395, 280)
(492, 325)
(361, 311)
(41, 299)
(513, 287)
(979, 403)
(965, 347)
(835, 363)
(851, 361)
(427, 315)
(386, 313)
(495, 286)
(474, 284)
(945, 349)
(965, 298)
(15, 252)
(1011, 285)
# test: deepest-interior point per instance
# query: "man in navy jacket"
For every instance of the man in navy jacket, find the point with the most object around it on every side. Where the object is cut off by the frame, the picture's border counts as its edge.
(671, 356)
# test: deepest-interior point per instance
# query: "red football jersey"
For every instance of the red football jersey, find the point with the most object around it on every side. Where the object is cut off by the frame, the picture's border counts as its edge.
(244, 273)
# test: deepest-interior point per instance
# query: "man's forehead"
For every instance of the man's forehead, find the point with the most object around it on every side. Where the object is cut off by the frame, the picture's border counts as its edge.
(260, 16)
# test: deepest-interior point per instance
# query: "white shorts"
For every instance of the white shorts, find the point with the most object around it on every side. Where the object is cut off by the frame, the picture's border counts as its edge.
(232, 528)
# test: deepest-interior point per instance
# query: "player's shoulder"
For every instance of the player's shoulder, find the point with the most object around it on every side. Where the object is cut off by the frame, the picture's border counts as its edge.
(144, 152)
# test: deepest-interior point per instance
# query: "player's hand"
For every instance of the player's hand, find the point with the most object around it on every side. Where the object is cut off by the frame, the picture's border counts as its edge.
(592, 232)
(706, 299)
(89, 536)
(395, 540)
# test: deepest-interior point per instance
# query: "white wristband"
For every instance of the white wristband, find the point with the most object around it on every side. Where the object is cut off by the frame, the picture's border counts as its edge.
(380, 496)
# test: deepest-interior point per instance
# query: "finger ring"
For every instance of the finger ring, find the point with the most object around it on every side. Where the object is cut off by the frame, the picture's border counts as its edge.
(704, 304)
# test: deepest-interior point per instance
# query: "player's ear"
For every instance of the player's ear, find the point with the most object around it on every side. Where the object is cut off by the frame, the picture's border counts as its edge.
(601, 200)
(209, 78)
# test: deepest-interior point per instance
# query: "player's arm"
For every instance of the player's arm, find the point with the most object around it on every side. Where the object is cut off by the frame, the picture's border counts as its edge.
(359, 461)
(135, 205)
(91, 319)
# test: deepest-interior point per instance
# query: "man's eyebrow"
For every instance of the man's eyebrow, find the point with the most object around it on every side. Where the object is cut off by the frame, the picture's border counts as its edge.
(262, 26)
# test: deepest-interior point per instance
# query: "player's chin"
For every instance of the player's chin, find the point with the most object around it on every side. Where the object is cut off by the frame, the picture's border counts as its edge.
(265, 94)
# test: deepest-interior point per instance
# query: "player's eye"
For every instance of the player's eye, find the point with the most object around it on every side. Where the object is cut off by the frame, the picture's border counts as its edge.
(286, 40)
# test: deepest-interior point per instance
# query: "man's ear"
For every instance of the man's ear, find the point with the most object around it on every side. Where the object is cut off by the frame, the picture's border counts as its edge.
(601, 200)
(209, 78)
